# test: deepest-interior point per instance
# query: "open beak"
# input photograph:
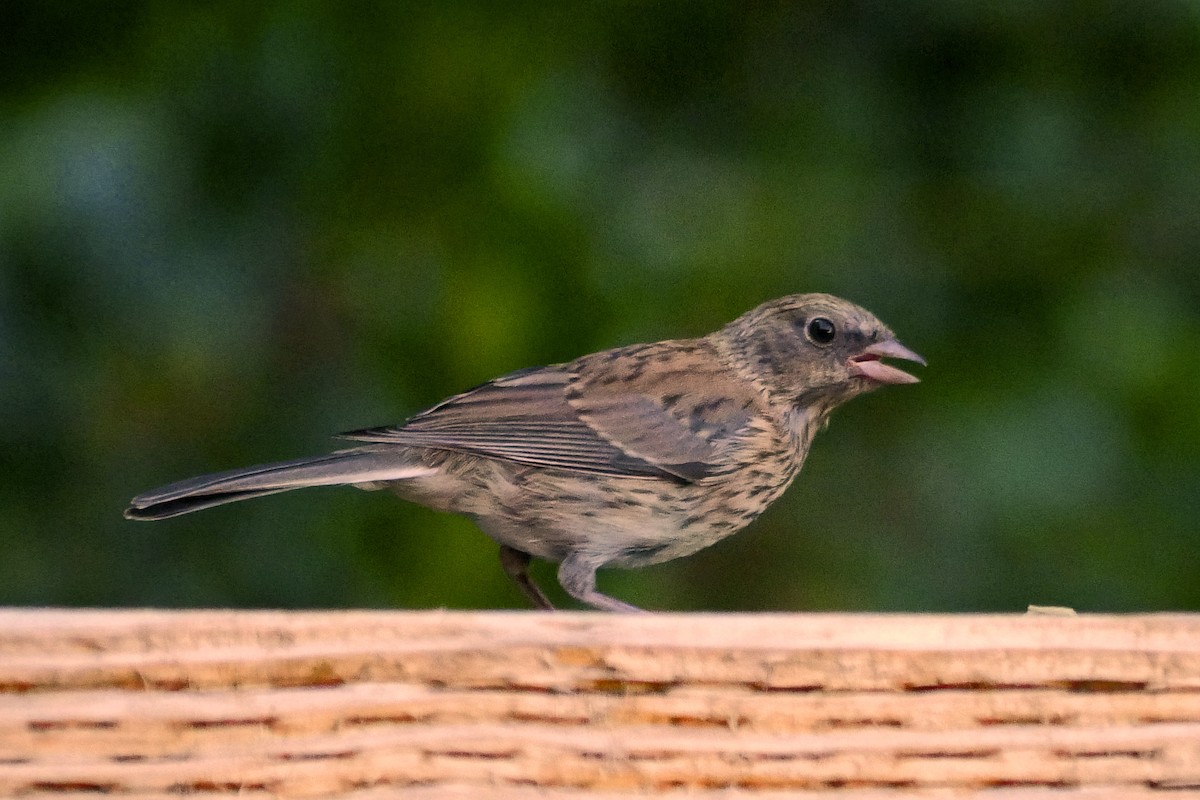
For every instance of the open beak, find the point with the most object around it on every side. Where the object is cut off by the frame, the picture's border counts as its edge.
(869, 363)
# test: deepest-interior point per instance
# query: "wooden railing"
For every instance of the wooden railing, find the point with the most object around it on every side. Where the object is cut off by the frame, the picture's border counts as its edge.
(452, 704)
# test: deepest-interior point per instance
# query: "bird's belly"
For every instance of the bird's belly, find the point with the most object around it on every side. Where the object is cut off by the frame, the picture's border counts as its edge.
(623, 521)
(630, 522)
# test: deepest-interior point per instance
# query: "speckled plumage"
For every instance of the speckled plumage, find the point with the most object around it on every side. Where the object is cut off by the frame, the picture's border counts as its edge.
(626, 457)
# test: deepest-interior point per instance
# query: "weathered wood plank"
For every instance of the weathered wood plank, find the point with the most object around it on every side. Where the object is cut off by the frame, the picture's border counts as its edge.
(441, 704)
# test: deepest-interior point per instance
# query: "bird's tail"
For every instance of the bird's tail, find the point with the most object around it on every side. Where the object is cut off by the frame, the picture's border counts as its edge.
(359, 466)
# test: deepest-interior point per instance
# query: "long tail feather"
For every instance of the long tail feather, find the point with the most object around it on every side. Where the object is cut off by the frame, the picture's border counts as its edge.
(357, 466)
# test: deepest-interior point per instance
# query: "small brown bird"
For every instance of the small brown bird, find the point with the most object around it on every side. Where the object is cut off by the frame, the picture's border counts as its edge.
(626, 457)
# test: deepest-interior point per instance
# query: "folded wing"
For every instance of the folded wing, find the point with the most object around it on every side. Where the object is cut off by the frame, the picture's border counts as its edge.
(603, 413)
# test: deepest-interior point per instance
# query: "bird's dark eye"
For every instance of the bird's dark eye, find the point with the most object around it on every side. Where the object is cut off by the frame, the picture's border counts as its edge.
(821, 330)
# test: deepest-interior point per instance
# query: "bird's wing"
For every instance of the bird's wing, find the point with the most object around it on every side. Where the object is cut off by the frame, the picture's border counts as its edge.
(522, 417)
(671, 404)
(577, 416)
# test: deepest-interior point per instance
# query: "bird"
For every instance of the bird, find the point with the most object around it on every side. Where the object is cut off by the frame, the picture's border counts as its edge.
(625, 457)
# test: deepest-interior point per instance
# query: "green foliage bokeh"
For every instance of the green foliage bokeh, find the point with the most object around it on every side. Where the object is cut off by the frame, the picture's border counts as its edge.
(228, 231)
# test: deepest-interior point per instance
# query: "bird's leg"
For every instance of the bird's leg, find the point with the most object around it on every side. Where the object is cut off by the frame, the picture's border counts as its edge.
(516, 566)
(578, 577)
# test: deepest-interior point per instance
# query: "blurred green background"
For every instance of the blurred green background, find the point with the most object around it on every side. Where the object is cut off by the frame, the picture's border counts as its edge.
(230, 230)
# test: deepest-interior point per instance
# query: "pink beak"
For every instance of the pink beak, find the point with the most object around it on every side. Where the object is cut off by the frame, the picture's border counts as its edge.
(869, 364)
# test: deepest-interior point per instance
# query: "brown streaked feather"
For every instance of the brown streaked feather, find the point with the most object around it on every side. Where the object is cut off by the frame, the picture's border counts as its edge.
(656, 402)
(534, 417)
(522, 417)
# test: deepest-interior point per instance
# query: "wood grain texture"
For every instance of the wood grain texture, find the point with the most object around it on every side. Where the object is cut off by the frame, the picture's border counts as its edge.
(157, 704)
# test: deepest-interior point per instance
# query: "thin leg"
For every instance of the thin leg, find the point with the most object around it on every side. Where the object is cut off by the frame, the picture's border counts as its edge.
(516, 566)
(578, 577)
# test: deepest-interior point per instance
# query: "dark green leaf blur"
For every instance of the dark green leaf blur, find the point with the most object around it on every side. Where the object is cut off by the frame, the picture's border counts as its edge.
(228, 231)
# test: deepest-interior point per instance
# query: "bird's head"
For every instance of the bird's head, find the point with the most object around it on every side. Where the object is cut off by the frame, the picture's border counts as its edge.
(817, 348)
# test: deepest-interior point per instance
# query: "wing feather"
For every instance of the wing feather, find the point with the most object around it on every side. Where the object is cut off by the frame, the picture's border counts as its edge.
(522, 417)
(669, 403)
(664, 410)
